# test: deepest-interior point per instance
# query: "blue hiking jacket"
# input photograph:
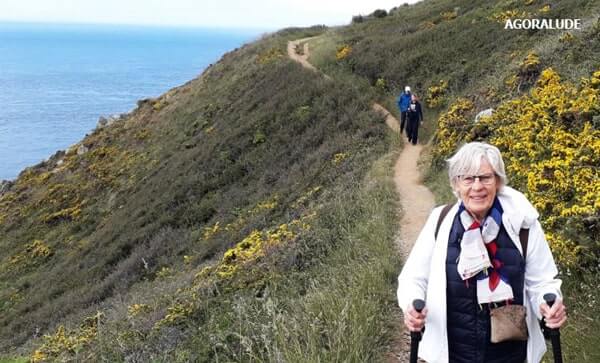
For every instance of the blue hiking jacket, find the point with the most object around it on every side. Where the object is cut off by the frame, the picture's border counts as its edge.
(404, 101)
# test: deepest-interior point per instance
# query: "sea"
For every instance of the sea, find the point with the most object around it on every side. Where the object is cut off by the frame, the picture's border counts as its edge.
(56, 80)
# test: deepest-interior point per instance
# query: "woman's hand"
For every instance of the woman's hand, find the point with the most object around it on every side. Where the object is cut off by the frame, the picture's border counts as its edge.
(414, 320)
(554, 316)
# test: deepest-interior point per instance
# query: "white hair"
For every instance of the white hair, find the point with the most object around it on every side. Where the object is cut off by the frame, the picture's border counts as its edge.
(467, 161)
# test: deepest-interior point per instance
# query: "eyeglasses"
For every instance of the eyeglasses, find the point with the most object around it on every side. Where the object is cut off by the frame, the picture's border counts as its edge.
(485, 179)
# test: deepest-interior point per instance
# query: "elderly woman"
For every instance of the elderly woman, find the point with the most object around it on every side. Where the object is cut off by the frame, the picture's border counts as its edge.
(475, 263)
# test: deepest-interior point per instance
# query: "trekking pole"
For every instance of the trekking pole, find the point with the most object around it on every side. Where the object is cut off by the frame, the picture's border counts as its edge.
(554, 334)
(415, 336)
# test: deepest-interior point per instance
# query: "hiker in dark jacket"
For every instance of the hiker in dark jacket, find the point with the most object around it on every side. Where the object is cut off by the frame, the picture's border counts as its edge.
(415, 117)
(403, 103)
(472, 264)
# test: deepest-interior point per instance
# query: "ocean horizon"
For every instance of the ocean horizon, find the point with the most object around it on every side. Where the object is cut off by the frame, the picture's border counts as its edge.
(57, 80)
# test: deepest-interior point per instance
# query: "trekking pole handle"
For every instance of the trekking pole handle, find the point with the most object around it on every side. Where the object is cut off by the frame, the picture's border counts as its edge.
(418, 305)
(554, 333)
(415, 336)
(550, 298)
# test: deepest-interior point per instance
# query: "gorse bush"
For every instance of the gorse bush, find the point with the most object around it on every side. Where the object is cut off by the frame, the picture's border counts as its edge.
(63, 345)
(435, 94)
(529, 69)
(343, 52)
(552, 152)
(453, 127)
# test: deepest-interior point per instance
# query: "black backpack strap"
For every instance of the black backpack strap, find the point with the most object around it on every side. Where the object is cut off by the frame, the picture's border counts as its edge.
(443, 214)
(524, 238)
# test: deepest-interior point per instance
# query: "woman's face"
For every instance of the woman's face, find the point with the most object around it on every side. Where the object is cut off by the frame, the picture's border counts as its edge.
(478, 194)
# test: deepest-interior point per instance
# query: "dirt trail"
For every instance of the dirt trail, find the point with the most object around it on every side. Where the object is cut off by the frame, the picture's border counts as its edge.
(300, 58)
(415, 198)
(416, 201)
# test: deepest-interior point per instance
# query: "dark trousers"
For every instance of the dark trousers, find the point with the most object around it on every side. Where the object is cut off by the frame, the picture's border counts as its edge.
(412, 129)
(403, 121)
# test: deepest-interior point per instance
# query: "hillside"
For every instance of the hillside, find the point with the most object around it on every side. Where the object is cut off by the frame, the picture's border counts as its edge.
(250, 215)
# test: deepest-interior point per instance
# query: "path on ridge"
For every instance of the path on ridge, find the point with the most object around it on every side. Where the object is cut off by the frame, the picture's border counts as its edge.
(415, 198)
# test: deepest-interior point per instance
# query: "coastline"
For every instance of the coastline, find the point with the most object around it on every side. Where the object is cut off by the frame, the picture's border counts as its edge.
(52, 102)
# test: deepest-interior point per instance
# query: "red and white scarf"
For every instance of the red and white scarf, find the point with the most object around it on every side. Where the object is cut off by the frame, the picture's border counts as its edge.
(478, 255)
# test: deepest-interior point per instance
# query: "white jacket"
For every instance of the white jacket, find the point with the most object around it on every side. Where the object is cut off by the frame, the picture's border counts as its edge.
(424, 274)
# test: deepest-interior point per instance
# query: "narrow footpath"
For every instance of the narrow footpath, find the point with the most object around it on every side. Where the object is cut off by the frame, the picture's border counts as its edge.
(415, 199)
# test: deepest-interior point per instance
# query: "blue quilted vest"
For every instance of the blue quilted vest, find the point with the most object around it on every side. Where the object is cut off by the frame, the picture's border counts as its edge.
(469, 322)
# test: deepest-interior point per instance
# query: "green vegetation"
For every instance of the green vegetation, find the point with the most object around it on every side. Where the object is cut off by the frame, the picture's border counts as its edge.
(243, 170)
(249, 215)
(458, 59)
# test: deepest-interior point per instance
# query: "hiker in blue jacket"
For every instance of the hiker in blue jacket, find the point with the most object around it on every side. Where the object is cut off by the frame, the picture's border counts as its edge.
(403, 103)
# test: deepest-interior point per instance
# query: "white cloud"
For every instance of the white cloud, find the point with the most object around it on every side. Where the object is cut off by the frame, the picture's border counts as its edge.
(270, 14)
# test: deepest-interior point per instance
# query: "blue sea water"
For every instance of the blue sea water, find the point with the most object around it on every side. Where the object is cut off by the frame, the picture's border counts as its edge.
(57, 80)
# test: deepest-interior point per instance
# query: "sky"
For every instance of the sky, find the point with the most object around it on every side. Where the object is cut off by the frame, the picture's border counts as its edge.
(264, 14)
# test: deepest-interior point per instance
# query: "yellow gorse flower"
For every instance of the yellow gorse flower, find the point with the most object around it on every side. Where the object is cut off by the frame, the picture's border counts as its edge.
(435, 94)
(551, 150)
(343, 52)
(64, 344)
(339, 157)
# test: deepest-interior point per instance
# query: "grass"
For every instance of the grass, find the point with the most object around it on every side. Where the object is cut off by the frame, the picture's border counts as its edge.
(14, 360)
(342, 316)
(332, 304)
(341, 313)
(579, 337)
(323, 49)
(436, 180)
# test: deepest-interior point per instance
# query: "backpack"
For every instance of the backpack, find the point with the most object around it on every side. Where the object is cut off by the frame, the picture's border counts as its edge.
(523, 233)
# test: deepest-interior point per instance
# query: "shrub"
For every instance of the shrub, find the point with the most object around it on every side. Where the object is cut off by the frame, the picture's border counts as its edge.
(567, 38)
(545, 9)
(502, 17)
(449, 15)
(64, 345)
(342, 52)
(453, 127)
(270, 56)
(381, 84)
(380, 13)
(259, 137)
(552, 153)
(435, 94)
(529, 69)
